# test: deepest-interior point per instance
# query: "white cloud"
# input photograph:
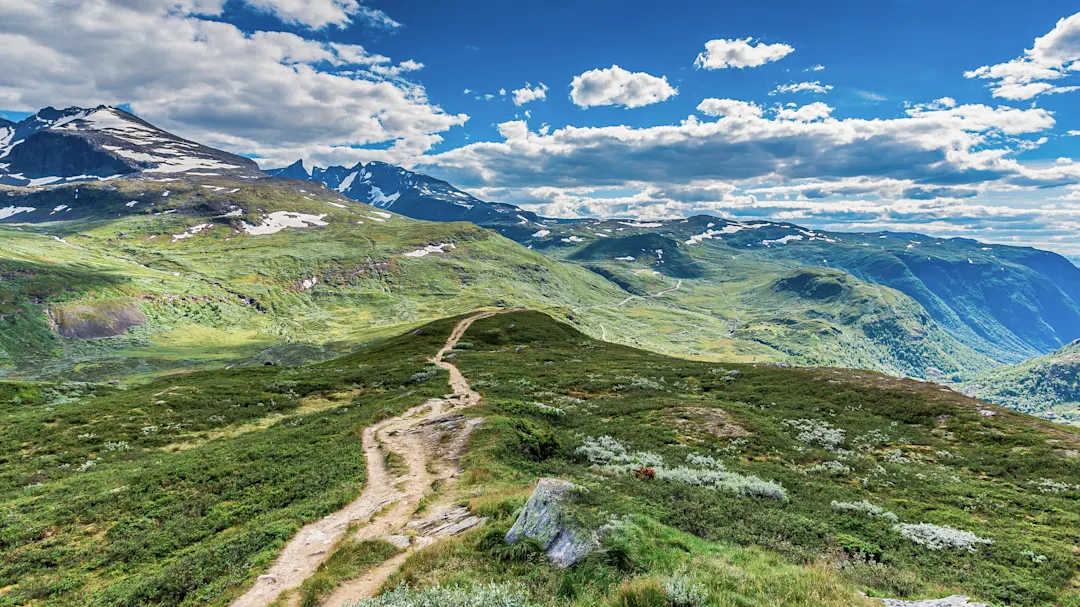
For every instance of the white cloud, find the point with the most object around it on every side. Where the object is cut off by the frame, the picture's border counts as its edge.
(729, 107)
(318, 14)
(945, 147)
(1050, 58)
(207, 80)
(740, 53)
(616, 86)
(807, 113)
(871, 96)
(1074, 133)
(529, 93)
(815, 68)
(801, 87)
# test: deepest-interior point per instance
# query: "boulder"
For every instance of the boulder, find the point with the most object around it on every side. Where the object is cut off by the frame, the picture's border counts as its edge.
(544, 520)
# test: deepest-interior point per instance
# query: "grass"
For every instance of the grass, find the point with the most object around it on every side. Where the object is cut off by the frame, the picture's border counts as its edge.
(922, 452)
(149, 523)
(348, 560)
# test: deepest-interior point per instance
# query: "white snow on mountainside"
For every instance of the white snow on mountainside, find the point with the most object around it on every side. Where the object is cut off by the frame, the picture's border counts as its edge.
(77, 144)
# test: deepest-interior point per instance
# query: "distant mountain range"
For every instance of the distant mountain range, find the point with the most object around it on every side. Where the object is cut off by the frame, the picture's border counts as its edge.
(413, 194)
(942, 309)
(76, 144)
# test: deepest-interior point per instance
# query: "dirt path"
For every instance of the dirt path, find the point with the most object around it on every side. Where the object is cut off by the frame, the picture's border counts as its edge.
(429, 437)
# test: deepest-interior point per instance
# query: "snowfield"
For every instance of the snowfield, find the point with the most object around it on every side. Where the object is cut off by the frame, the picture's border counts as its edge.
(278, 221)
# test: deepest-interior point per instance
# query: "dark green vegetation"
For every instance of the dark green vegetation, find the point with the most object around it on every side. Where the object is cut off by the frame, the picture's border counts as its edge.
(181, 490)
(1048, 386)
(923, 453)
(198, 479)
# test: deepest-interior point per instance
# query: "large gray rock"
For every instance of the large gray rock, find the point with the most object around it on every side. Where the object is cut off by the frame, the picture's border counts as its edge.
(952, 601)
(543, 520)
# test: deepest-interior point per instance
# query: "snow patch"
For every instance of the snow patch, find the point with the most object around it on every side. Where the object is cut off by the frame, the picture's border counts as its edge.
(10, 211)
(431, 248)
(345, 183)
(573, 239)
(131, 203)
(193, 230)
(627, 258)
(279, 220)
(634, 224)
(782, 241)
(541, 233)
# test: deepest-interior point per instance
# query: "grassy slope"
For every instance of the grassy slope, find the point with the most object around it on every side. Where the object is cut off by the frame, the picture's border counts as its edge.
(222, 296)
(1048, 386)
(924, 453)
(176, 518)
(732, 310)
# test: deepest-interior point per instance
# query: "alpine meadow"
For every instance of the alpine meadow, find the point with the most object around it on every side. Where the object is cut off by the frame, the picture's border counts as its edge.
(348, 303)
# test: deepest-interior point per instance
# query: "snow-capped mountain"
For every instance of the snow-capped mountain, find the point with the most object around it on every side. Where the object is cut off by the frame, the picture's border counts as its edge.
(413, 194)
(78, 144)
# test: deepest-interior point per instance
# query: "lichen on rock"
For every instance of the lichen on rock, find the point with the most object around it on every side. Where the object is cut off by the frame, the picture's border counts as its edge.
(544, 520)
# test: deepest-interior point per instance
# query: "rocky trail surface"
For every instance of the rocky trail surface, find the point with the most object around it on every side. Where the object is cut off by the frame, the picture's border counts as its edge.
(429, 438)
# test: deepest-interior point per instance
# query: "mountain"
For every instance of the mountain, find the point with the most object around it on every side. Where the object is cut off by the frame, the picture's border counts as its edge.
(76, 144)
(705, 287)
(101, 280)
(1006, 303)
(755, 485)
(411, 194)
(1046, 386)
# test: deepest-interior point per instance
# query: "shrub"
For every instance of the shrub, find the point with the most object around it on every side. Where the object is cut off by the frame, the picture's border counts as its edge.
(937, 537)
(817, 432)
(533, 442)
(703, 470)
(682, 591)
(427, 373)
(491, 595)
(864, 507)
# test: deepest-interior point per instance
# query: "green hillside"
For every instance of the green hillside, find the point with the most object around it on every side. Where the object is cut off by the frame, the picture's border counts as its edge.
(1002, 304)
(136, 278)
(1047, 386)
(772, 485)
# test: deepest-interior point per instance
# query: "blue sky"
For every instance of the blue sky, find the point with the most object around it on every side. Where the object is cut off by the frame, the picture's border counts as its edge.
(954, 118)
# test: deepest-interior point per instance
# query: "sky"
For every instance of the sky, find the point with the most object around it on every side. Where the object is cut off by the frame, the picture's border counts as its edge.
(957, 118)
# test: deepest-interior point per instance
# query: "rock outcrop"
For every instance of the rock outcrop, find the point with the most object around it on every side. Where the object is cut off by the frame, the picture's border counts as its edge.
(544, 520)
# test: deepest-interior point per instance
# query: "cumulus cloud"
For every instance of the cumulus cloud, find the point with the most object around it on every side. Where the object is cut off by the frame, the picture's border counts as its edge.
(318, 14)
(729, 107)
(182, 69)
(1051, 58)
(801, 87)
(616, 86)
(954, 146)
(529, 93)
(740, 53)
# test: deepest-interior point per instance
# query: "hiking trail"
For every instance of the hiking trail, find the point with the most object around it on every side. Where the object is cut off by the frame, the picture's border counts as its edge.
(429, 438)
